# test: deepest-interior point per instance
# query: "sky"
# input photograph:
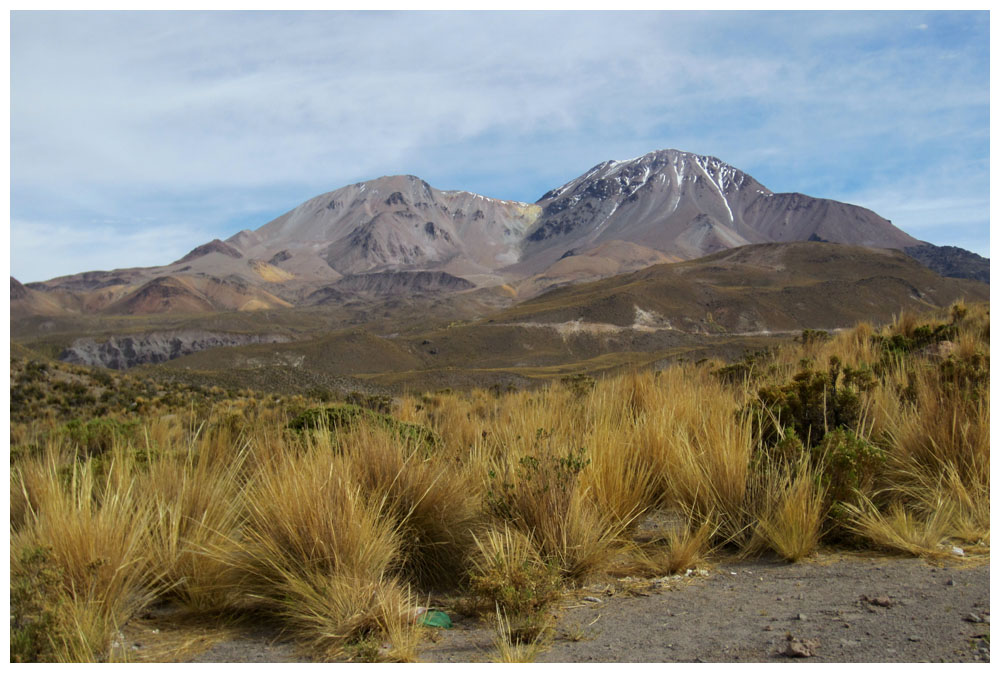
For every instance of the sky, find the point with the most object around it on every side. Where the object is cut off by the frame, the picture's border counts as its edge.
(136, 136)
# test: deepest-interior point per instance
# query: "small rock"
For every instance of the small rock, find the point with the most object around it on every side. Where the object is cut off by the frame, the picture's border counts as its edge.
(915, 639)
(769, 628)
(881, 601)
(958, 551)
(592, 599)
(802, 617)
(950, 582)
(973, 617)
(800, 649)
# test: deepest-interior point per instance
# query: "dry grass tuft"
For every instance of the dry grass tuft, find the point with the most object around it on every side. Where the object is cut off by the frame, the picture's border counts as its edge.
(511, 648)
(682, 547)
(82, 552)
(430, 504)
(509, 576)
(795, 507)
(900, 530)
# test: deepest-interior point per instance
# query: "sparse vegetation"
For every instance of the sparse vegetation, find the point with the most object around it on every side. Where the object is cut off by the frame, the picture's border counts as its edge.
(334, 518)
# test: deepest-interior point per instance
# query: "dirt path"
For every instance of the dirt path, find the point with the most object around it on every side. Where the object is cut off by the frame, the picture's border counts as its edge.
(747, 611)
(833, 608)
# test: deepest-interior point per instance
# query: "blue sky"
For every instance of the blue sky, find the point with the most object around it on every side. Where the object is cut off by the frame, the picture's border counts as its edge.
(137, 136)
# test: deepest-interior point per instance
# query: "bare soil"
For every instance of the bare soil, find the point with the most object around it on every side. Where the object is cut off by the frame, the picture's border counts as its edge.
(832, 608)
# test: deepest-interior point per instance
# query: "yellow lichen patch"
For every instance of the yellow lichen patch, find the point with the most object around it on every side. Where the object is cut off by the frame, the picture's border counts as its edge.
(256, 304)
(269, 272)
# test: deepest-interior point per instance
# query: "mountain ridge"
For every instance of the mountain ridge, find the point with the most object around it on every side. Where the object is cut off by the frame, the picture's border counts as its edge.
(615, 217)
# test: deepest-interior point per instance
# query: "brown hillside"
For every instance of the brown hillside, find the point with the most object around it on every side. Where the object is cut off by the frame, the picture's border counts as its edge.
(763, 287)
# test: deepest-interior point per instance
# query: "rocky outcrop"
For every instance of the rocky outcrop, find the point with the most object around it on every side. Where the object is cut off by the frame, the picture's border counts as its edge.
(208, 248)
(952, 262)
(123, 352)
(17, 290)
(403, 282)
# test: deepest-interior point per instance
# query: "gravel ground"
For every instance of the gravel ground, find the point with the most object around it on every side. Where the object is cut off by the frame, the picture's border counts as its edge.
(829, 609)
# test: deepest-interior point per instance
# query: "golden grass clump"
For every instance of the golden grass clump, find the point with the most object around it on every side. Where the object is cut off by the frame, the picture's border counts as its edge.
(901, 530)
(81, 557)
(196, 516)
(793, 511)
(682, 546)
(537, 488)
(319, 554)
(429, 502)
(507, 575)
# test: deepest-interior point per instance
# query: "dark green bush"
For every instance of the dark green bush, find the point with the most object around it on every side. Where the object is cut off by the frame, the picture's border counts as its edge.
(34, 603)
(96, 436)
(969, 376)
(381, 404)
(579, 384)
(813, 336)
(849, 464)
(751, 366)
(343, 417)
(811, 404)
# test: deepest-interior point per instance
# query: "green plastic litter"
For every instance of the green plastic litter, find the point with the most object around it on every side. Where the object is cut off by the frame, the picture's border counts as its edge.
(435, 618)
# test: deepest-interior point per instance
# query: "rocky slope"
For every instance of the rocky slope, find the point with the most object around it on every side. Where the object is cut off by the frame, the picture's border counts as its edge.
(391, 224)
(950, 261)
(689, 205)
(122, 352)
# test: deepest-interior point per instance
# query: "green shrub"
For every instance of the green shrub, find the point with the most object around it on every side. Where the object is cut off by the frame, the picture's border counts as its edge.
(510, 578)
(813, 336)
(811, 404)
(97, 436)
(579, 384)
(35, 599)
(969, 376)
(343, 417)
(749, 367)
(380, 404)
(849, 464)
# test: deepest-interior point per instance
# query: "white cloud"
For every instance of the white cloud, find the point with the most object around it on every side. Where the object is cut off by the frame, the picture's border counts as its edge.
(46, 250)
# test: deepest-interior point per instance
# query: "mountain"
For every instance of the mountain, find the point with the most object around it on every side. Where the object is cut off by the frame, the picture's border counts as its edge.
(689, 205)
(397, 223)
(397, 235)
